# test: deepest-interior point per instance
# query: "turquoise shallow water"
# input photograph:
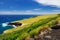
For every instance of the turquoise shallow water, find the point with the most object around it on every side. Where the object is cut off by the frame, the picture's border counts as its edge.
(10, 18)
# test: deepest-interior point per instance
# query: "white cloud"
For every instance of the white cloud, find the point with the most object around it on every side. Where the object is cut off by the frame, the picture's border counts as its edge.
(41, 13)
(55, 3)
(10, 13)
(27, 12)
(56, 10)
(37, 9)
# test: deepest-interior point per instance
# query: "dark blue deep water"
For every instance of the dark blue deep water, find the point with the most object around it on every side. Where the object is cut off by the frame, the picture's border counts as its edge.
(10, 18)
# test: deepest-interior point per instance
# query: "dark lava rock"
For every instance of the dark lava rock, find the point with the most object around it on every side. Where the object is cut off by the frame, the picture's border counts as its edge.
(56, 27)
(15, 23)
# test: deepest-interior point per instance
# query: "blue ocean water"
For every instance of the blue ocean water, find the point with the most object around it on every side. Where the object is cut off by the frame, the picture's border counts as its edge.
(10, 18)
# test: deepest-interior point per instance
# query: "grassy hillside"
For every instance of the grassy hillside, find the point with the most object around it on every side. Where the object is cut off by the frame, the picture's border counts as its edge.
(32, 27)
(26, 22)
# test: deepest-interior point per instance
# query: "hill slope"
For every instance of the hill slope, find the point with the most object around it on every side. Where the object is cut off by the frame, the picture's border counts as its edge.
(31, 27)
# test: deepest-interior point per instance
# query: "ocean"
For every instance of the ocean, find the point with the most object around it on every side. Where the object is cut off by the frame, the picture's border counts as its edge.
(10, 18)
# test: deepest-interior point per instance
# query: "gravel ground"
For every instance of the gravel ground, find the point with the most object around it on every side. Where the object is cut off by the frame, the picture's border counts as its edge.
(53, 35)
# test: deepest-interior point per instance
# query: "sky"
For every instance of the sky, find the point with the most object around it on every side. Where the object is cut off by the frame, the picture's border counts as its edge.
(29, 7)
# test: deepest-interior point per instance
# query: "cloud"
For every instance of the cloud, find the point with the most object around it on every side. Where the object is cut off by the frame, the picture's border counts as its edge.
(56, 10)
(30, 12)
(41, 13)
(27, 12)
(55, 3)
(36, 9)
(10, 13)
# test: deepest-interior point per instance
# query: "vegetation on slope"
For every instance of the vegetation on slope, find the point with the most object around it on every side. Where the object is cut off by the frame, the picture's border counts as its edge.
(30, 30)
(27, 22)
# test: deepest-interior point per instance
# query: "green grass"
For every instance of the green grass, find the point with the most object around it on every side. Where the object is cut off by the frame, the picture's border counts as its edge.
(30, 30)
